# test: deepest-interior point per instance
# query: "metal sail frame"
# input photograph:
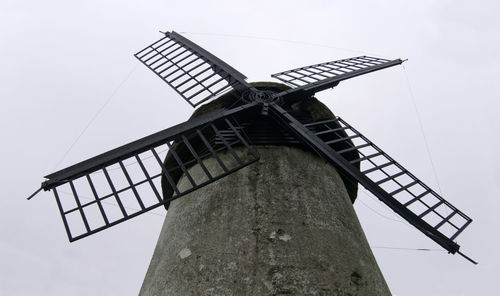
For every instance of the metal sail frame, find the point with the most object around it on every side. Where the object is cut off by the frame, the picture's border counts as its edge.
(392, 198)
(194, 73)
(118, 185)
(199, 76)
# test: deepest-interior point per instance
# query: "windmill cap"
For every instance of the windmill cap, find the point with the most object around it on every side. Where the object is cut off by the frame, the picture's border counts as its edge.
(309, 108)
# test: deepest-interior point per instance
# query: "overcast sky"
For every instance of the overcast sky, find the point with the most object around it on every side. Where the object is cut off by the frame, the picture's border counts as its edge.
(65, 63)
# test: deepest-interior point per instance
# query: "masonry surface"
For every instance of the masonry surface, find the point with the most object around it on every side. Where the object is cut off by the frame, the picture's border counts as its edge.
(282, 226)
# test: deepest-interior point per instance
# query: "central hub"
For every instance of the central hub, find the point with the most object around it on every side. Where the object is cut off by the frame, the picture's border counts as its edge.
(263, 96)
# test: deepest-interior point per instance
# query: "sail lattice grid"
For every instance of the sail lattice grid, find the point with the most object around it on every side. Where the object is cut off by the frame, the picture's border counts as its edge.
(191, 71)
(130, 185)
(401, 186)
(338, 70)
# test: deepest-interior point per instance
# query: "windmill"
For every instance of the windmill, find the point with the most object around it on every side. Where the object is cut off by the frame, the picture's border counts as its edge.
(256, 115)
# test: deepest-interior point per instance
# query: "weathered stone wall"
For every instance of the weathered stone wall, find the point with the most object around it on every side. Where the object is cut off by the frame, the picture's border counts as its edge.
(283, 225)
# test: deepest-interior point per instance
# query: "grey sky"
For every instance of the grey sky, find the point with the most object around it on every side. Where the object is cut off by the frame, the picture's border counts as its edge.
(61, 61)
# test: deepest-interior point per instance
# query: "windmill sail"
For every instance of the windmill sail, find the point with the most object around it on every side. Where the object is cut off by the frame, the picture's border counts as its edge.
(388, 180)
(125, 182)
(190, 70)
(311, 79)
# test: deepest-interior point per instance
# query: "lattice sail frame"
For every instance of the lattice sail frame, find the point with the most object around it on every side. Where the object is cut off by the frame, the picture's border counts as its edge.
(336, 69)
(401, 185)
(380, 174)
(128, 185)
(191, 71)
(306, 81)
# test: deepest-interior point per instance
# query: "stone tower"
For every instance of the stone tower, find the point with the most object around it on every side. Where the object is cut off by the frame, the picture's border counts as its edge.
(283, 225)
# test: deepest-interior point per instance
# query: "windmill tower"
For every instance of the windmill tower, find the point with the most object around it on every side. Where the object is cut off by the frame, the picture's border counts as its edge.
(287, 172)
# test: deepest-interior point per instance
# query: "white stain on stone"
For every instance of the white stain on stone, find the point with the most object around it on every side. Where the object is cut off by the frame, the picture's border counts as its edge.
(184, 253)
(285, 237)
(232, 265)
(201, 267)
(268, 285)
